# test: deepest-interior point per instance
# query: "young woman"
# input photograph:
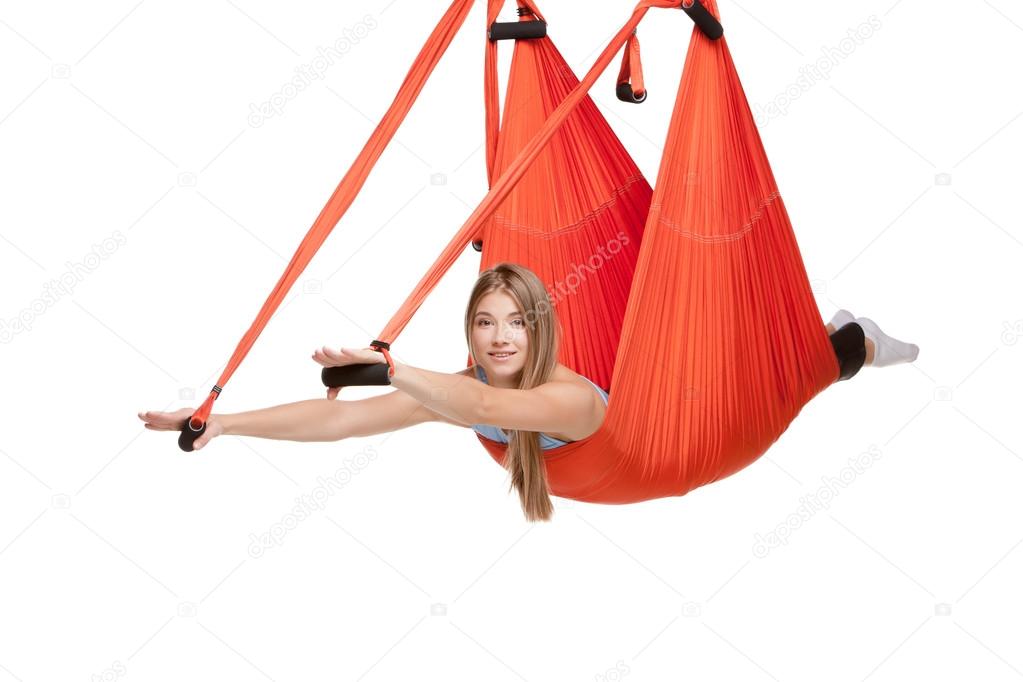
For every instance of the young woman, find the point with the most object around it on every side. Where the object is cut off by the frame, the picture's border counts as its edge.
(515, 392)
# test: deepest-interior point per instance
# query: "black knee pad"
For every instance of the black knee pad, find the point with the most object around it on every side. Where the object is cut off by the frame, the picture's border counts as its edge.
(850, 348)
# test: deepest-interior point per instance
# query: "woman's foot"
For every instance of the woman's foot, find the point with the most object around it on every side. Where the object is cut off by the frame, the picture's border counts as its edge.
(886, 350)
(839, 320)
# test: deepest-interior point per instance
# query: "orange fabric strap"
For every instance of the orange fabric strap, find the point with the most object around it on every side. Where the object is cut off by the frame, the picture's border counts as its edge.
(353, 181)
(632, 68)
(434, 48)
(513, 173)
(491, 98)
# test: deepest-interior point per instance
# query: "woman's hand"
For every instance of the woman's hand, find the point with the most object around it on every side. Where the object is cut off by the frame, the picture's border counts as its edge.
(346, 356)
(173, 421)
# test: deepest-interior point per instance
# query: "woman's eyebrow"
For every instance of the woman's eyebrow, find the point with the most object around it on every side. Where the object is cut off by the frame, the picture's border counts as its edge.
(484, 312)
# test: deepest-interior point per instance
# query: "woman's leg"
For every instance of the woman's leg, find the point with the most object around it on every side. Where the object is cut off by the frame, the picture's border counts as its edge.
(851, 349)
(866, 341)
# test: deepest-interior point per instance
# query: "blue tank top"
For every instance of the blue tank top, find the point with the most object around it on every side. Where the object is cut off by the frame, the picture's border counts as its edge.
(496, 434)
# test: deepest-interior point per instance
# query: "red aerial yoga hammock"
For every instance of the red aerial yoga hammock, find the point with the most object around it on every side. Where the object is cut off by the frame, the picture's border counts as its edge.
(702, 324)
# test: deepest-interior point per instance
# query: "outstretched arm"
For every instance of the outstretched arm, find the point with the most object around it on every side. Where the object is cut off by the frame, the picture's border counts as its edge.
(316, 420)
(330, 420)
(555, 406)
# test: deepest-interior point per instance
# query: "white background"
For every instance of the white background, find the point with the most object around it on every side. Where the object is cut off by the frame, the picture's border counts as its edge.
(123, 558)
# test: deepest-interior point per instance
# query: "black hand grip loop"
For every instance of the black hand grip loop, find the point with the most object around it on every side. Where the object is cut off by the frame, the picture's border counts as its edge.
(186, 441)
(517, 30)
(626, 94)
(372, 374)
(703, 19)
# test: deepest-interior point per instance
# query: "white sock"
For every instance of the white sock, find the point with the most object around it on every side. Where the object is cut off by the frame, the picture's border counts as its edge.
(841, 318)
(887, 351)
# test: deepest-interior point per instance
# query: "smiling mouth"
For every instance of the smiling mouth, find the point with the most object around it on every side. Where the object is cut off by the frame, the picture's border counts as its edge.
(501, 355)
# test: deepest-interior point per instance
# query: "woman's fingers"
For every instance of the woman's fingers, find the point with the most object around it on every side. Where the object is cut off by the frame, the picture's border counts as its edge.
(336, 356)
(331, 358)
(213, 429)
(165, 421)
(321, 357)
(332, 392)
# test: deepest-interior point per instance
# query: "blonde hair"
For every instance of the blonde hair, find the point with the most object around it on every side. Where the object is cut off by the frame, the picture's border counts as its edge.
(524, 458)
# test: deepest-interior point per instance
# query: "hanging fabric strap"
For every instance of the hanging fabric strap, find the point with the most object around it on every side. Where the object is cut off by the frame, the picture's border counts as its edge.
(630, 86)
(527, 11)
(514, 172)
(356, 176)
(434, 48)
(385, 348)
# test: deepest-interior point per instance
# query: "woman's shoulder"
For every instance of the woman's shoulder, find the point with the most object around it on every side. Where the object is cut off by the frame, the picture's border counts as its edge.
(564, 373)
(561, 373)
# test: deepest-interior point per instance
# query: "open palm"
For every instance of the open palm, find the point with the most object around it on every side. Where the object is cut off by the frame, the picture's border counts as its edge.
(173, 421)
(345, 356)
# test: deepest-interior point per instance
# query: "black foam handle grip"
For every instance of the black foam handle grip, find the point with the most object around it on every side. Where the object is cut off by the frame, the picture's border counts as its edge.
(627, 94)
(517, 30)
(186, 441)
(706, 22)
(371, 374)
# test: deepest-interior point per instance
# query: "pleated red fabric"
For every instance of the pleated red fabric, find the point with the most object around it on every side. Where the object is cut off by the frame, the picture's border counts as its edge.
(691, 304)
(722, 342)
(576, 216)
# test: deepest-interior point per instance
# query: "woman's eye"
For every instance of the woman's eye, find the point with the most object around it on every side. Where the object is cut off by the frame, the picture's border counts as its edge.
(517, 322)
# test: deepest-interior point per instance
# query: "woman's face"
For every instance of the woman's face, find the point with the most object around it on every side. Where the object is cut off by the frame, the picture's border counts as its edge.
(499, 335)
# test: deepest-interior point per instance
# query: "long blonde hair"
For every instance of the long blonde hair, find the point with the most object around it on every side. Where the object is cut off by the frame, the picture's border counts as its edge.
(524, 458)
